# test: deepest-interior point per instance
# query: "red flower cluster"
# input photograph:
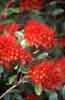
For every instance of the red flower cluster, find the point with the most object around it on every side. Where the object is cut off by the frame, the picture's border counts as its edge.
(11, 51)
(9, 28)
(48, 74)
(1, 28)
(38, 34)
(31, 4)
(32, 97)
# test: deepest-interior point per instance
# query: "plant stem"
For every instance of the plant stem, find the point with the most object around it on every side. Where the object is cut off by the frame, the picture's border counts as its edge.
(11, 88)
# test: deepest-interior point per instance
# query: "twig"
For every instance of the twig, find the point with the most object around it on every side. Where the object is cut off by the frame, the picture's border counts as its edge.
(11, 88)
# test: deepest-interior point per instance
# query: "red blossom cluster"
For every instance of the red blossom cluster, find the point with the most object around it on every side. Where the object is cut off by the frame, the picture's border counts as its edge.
(11, 51)
(38, 34)
(31, 43)
(48, 74)
(9, 28)
(31, 4)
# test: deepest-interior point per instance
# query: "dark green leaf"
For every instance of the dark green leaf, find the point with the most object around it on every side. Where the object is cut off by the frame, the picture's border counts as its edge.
(12, 79)
(55, 52)
(38, 16)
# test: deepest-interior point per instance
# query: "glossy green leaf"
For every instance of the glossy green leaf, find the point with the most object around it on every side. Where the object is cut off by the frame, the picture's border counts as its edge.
(13, 11)
(12, 79)
(1, 69)
(6, 97)
(53, 96)
(23, 69)
(38, 90)
(17, 96)
(52, 3)
(55, 52)
(42, 55)
(57, 11)
(62, 91)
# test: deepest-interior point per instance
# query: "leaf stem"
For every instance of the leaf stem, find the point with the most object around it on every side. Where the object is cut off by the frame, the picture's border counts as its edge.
(11, 88)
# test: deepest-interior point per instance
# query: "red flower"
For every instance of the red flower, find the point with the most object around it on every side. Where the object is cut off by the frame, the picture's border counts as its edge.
(1, 28)
(9, 28)
(11, 51)
(61, 63)
(33, 4)
(38, 34)
(32, 97)
(49, 75)
(36, 4)
(25, 4)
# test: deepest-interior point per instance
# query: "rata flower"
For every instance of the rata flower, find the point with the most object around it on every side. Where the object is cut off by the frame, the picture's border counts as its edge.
(32, 97)
(38, 34)
(48, 74)
(1, 28)
(31, 4)
(60, 62)
(9, 28)
(25, 4)
(11, 51)
(37, 4)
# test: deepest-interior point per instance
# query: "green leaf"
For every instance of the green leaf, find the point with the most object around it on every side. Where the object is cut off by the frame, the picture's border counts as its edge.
(28, 87)
(54, 8)
(56, 52)
(38, 89)
(42, 55)
(17, 96)
(48, 93)
(38, 16)
(13, 11)
(64, 24)
(7, 21)
(13, 96)
(57, 11)
(3, 82)
(7, 97)
(12, 79)
(53, 96)
(52, 3)
(1, 8)
(15, 66)
(3, 1)
(62, 91)
(24, 44)
(1, 69)
(23, 69)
